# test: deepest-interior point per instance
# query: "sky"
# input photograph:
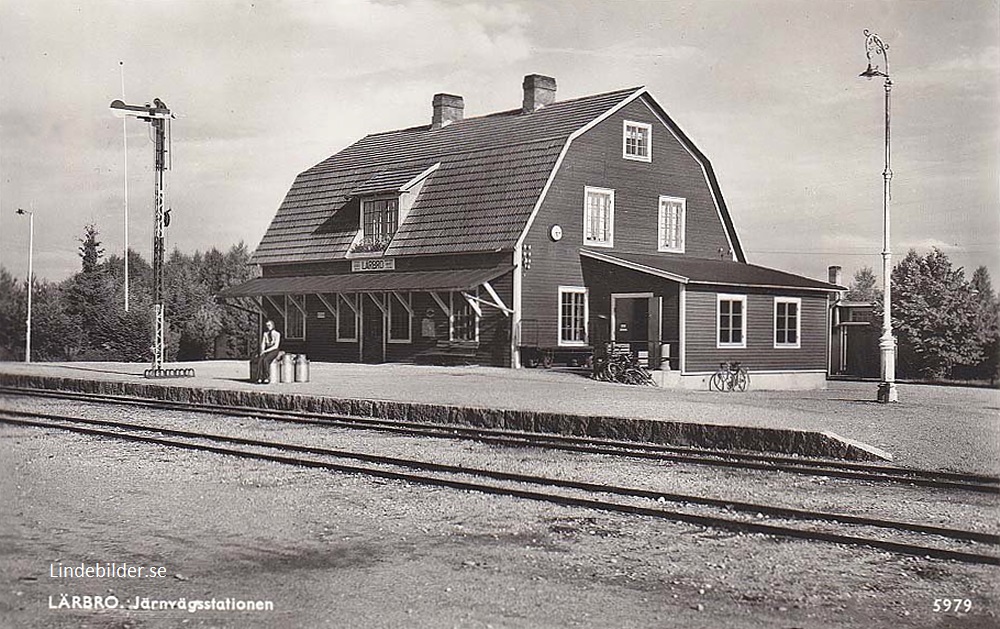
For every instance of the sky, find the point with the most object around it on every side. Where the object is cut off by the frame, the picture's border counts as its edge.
(767, 89)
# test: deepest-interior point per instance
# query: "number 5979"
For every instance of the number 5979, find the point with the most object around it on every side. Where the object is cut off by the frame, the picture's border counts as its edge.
(952, 605)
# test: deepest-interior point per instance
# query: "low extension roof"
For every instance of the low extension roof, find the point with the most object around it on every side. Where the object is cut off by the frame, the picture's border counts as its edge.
(687, 270)
(447, 280)
(492, 172)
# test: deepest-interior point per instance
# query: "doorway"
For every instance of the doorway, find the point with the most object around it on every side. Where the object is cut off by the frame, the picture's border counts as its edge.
(372, 330)
(635, 319)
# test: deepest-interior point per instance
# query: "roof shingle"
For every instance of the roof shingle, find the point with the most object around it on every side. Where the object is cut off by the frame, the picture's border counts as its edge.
(493, 169)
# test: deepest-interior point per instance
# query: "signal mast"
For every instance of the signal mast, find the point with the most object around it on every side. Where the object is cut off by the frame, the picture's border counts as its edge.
(157, 116)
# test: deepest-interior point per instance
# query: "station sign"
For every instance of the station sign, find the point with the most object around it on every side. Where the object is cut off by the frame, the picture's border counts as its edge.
(373, 264)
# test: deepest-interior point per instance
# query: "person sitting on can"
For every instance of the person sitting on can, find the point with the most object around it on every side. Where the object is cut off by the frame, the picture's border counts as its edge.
(269, 343)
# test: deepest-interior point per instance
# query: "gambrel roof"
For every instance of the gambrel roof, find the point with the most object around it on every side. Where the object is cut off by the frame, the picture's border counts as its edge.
(491, 173)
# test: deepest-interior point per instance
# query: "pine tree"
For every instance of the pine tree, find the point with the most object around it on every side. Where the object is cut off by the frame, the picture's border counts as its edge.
(13, 310)
(989, 321)
(90, 249)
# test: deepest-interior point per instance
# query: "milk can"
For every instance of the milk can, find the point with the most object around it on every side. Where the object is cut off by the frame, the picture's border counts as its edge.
(301, 368)
(274, 372)
(287, 368)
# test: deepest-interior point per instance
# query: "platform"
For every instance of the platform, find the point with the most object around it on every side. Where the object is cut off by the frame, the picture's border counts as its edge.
(933, 427)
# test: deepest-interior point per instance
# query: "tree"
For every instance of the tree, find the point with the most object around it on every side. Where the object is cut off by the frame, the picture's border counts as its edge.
(989, 320)
(862, 287)
(88, 302)
(935, 317)
(83, 317)
(90, 249)
(13, 310)
(54, 334)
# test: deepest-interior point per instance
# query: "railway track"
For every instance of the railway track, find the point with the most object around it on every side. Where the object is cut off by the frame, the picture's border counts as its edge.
(680, 454)
(892, 536)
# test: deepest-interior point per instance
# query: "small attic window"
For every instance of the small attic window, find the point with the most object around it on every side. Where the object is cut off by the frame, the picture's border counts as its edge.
(637, 141)
(379, 221)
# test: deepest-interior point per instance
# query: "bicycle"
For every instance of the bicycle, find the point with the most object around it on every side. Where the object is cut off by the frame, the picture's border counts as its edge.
(730, 377)
(623, 368)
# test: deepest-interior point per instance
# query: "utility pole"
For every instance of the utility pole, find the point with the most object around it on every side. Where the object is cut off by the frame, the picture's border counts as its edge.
(157, 116)
(121, 65)
(31, 278)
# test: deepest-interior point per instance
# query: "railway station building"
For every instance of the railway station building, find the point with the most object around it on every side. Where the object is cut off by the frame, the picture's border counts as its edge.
(532, 236)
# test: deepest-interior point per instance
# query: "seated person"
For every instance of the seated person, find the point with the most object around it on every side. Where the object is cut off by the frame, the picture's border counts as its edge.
(269, 343)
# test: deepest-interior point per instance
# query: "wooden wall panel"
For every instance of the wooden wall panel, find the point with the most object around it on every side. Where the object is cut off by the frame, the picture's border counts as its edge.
(760, 353)
(595, 159)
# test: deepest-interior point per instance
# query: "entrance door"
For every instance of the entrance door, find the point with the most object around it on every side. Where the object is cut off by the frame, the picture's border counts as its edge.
(636, 321)
(632, 319)
(372, 331)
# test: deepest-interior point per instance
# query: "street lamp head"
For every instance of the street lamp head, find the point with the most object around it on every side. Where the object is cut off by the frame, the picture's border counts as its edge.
(20, 211)
(875, 47)
(872, 72)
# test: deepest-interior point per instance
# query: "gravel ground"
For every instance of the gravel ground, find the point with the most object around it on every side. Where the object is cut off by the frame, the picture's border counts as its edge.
(965, 510)
(335, 550)
(932, 427)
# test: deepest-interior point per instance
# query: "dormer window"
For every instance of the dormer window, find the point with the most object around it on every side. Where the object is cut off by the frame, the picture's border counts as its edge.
(637, 141)
(379, 221)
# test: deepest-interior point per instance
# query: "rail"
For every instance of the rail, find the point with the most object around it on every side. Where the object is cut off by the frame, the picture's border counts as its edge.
(586, 495)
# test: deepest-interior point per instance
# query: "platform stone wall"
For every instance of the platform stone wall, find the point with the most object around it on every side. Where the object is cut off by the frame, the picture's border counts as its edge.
(778, 441)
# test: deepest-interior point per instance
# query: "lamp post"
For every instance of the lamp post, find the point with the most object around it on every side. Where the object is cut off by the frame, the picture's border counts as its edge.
(887, 343)
(31, 246)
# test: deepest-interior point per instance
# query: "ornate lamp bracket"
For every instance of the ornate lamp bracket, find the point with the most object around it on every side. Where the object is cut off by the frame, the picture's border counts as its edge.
(875, 46)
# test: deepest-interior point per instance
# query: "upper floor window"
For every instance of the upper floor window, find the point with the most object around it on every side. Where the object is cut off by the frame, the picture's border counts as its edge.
(637, 141)
(598, 217)
(379, 221)
(787, 322)
(731, 321)
(670, 226)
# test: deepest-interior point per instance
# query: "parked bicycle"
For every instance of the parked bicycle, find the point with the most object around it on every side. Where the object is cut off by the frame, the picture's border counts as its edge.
(730, 377)
(623, 368)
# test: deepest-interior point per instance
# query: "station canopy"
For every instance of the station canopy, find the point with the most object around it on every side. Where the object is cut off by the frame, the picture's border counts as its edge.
(369, 282)
(691, 270)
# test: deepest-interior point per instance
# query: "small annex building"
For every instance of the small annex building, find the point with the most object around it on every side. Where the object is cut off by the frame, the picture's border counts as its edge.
(529, 236)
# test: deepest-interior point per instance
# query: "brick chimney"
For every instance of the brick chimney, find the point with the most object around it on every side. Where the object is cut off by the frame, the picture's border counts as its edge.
(539, 91)
(836, 275)
(448, 108)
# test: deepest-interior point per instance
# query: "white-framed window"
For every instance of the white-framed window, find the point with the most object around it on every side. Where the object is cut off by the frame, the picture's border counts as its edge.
(400, 318)
(347, 318)
(573, 315)
(787, 322)
(295, 317)
(670, 224)
(598, 216)
(637, 141)
(379, 222)
(464, 319)
(731, 321)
